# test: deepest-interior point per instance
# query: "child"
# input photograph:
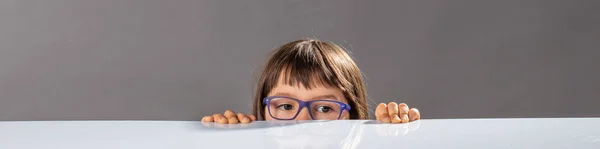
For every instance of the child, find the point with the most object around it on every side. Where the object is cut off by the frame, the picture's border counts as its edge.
(313, 80)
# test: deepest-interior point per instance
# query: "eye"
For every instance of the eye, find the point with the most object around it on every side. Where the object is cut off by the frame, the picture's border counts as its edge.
(286, 107)
(324, 109)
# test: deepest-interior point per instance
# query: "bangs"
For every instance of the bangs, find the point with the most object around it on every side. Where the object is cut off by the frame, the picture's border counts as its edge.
(305, 76)
(303, 65)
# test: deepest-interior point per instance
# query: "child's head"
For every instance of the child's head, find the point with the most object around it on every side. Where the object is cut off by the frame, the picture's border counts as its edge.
(310, 70)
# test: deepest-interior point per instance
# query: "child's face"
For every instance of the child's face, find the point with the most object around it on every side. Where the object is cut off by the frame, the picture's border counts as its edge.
(317, 92)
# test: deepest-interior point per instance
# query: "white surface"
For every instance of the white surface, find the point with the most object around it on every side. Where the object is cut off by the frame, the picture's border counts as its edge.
(547, 133)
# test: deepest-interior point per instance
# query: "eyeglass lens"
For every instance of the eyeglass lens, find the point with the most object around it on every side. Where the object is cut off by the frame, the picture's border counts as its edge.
(285, 108)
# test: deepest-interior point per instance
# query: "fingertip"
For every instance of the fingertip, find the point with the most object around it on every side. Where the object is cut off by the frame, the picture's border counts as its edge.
(252, 117)
(392, 104)
(402, 104)
(415, 109)
(245, 120)
(229, 114)
(392, 109)
(219, 118)
(241, 116)
(207, 119)
(381, 110)
(403, 108)
(414, 114)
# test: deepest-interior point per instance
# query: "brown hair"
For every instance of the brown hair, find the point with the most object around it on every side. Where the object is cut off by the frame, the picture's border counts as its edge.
(310, 61)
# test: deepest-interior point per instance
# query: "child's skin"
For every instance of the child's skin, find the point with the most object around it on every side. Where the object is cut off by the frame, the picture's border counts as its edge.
(316, 58)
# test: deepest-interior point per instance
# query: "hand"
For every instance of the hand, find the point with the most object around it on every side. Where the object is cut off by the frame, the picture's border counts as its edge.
(229, 117)
(396, 113)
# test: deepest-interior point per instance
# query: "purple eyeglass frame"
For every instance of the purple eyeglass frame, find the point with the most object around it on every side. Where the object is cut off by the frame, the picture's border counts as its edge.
(267, 100)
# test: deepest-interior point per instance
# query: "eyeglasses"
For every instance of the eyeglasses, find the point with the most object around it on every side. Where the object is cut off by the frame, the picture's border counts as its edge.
(287, 108)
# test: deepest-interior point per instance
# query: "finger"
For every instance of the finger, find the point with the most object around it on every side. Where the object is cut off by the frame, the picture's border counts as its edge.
(208, 119)
(243, 118)
(392, 108)
(414, 114)
(402, 108)
(381, 111)
(229, 114)
(403, 112)
(220, 119)
(252, 117)
(393, 112)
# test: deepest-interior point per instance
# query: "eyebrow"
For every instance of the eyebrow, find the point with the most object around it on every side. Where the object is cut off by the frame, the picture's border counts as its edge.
(326, 96)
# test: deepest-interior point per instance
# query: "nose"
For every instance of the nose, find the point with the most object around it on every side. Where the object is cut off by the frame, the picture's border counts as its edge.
(303, 115)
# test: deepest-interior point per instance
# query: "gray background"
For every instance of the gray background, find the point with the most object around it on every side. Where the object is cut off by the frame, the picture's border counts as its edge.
(182, 59)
